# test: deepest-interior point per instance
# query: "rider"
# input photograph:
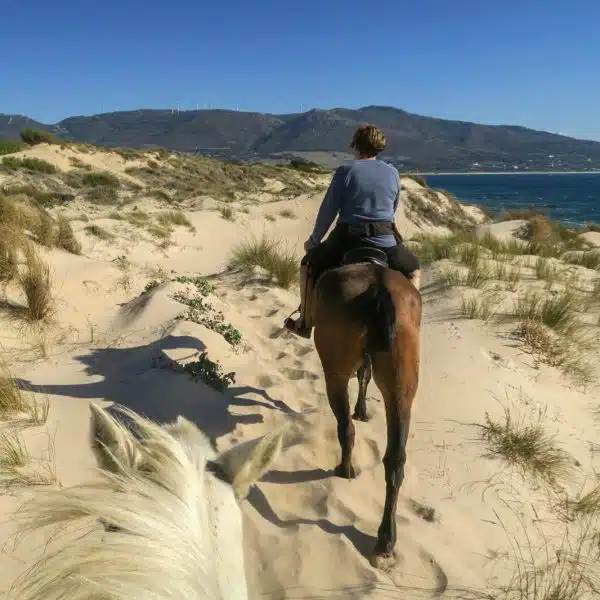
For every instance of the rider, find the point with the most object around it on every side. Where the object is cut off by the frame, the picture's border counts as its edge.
(365, 193)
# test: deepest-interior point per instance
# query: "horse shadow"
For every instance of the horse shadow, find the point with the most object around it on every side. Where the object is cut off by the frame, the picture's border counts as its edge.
(139, 380)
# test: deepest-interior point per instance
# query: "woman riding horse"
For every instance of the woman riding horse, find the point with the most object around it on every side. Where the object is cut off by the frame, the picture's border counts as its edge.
(365, 194)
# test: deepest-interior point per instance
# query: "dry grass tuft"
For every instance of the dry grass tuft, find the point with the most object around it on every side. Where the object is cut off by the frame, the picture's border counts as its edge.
(99, 232)
(558, 312)
(527, 447)
(16, 403)
(66, 238)
(44, 231)
(269, 254)
(36, 284)
(174, 217)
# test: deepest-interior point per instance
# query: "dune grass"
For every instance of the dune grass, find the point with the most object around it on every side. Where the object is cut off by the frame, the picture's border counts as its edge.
(174, 217)
(65, 238)
(559, 312)
(99, 232)
(270, 254)
(526, 446)
(16, 402)
(479, 307)
(36, 284)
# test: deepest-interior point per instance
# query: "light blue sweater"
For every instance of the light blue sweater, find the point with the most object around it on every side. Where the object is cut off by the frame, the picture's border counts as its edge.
(361, 191)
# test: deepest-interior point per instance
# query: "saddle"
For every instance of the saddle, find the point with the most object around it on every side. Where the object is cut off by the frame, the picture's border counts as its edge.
(365, 254)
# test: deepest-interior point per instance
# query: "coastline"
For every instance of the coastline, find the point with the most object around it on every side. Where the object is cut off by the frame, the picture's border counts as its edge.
(427, 174)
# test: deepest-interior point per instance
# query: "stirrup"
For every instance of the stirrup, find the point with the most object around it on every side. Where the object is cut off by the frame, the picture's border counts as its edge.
(291, 325)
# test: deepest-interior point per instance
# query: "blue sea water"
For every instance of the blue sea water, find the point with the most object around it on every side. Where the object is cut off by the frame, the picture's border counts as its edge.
(572, 198)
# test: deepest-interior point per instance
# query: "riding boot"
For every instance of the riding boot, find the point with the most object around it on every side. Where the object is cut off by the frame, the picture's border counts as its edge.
(302, 326)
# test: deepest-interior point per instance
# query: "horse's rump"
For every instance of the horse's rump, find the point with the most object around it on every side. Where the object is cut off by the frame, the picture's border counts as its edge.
(359, 294)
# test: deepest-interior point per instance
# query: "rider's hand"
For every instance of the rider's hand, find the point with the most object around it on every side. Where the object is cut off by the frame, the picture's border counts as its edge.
(308, 245)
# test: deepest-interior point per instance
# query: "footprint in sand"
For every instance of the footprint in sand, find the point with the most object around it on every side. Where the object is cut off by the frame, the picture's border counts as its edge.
(266, 381)
(301, 351)
(298, 374)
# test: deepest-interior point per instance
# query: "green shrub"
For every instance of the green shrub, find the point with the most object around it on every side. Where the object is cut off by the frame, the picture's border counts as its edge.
(37, 165)
(36, 136)
(102, 179)
(10, 146)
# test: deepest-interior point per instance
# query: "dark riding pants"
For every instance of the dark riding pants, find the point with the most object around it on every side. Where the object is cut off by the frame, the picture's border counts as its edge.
(329, 253)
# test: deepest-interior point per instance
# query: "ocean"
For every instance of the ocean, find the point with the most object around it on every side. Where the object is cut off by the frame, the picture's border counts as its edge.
(572, 198)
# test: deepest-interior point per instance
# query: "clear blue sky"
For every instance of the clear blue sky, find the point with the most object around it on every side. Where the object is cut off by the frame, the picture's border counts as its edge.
(529, 62)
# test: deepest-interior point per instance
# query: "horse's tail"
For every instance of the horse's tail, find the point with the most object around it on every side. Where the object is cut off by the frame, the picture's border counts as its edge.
(379, 315)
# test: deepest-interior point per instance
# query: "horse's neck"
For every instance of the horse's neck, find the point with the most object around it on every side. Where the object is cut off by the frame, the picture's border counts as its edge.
(225, 527)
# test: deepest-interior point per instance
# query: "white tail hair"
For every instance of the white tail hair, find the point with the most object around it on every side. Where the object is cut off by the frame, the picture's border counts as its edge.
(169, 494)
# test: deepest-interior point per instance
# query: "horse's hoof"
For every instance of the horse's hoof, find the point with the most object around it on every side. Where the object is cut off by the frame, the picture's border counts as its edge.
(345, 472)
(385, 561)
(360, 416)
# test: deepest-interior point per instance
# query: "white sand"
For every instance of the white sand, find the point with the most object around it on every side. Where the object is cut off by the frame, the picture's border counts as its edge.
(308, 534)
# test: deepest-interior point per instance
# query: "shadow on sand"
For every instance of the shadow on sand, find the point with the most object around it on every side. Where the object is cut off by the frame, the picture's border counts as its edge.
(131, 377)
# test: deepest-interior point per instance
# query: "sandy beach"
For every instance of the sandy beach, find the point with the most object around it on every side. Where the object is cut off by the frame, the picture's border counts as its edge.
(152, 289)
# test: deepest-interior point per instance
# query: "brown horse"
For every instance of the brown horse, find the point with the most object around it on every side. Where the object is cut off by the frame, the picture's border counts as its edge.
(367, 318)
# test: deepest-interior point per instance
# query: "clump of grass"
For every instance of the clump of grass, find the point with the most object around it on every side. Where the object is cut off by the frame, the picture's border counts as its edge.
(159, 231)
(546, 271)
(478, 275)
(103, 195)
(99, 232)
(44, 231)
(210, 372)
(35, 165)
(431, 248)
(287, 213)
(36, 284)
(101, 179)
(469, 254)
(12, 401)
(280, 263)
(527, 447)
(66, 237)
(557, 312)
(10, 146)
(474, 307)
(9, 245)
(227, 213)
(586, 505)
(174, 217)
(13, 454)
(589, 259)
(507, 274)
(15, 402)
(37, 136)
(138, 218)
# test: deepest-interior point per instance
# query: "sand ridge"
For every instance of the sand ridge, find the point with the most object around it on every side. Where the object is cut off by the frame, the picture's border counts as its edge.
(112, 341)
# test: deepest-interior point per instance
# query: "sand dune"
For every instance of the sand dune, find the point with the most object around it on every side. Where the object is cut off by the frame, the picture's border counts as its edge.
(308, 534)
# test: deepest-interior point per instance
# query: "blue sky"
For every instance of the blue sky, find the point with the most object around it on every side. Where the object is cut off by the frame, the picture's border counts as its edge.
(529, 62)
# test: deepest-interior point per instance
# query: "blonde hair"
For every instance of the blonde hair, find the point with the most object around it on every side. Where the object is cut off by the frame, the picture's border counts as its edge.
(369, 141)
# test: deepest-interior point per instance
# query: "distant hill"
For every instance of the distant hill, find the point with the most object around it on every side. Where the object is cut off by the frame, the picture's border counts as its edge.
(415, 142)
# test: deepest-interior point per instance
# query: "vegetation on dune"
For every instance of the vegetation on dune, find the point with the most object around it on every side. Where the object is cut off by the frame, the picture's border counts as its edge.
(10, 146)
(550, 322)
(35, 165)
(526, 446)
(36, 284)
(270, 254)
(37, 136)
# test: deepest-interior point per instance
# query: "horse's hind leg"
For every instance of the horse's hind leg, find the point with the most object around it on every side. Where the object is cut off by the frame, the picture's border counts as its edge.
(364, 377)
(337, 393)
(398, 384)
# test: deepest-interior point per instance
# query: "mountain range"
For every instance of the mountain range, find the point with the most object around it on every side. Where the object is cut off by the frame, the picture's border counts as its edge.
(415, 142)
